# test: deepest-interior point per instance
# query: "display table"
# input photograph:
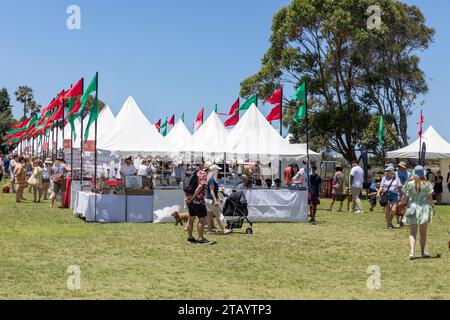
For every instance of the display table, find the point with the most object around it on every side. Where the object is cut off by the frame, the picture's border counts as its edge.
(167, 201)
(275, 205)
(114, 208)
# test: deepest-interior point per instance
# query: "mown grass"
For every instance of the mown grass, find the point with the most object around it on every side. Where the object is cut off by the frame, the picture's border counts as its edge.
(153, 261)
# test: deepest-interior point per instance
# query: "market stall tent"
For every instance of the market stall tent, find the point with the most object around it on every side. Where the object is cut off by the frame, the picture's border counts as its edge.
(209, 140)
(253, 138)
(134, 135)
(436, 148)
(181, 139)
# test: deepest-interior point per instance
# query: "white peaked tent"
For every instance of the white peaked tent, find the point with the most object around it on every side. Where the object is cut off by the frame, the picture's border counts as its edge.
(254, 138)
(437, 147)
(134, 135)
(209, 140)
(181, 139)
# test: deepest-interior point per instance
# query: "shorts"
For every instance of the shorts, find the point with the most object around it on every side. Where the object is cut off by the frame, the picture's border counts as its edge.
(393, 197)
(59, 187)
(197, 210)
(45, 180)
(338, 197)
(313, 199)
(211, 208)
(373, 201)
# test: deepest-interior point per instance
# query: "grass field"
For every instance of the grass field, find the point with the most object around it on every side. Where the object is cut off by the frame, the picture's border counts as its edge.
(153, 261)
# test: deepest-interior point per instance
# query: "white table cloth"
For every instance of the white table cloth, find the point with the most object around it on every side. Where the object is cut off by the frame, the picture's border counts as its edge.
(114, 208)
(276, 205)
(166, 202)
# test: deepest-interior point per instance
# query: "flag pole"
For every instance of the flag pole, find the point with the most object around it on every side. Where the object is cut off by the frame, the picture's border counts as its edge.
(307, 134)
(420, 135)
(81, 141)
(95, 151)
(281, 129)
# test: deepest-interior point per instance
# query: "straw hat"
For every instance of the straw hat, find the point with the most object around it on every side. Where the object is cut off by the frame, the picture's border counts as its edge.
(402, 164)
(206, 165)
(214, 167)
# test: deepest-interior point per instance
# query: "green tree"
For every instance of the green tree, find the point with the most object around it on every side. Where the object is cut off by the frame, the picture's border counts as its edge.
(6, 117)
(347, 66)
(24, 94)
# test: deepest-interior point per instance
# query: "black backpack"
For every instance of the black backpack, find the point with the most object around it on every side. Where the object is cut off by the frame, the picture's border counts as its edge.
(191, 184)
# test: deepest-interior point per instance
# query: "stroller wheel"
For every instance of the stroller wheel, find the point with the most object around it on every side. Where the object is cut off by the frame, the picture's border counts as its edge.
(249, 231)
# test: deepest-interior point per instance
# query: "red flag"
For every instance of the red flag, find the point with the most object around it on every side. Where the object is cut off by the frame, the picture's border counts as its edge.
(75, 108)
(275, 114)
(199, 121)
(172, 121)
(22, 124)
(275, 98)
(420, 123)
(158, 124)
(233, 109)
(233, 120)
(75, 91)
(54, 104)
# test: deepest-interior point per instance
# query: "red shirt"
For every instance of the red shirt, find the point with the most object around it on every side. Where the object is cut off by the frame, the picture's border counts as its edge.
(288, 175)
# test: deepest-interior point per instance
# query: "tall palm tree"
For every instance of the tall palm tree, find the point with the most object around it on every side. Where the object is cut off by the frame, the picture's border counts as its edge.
(24, 94)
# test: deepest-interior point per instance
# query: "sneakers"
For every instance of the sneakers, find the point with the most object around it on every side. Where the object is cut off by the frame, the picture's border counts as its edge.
(313, 222)
(390, 227)
(227, 231)
(425, 255)
(191, 241)
(205, 241)
(359, 211)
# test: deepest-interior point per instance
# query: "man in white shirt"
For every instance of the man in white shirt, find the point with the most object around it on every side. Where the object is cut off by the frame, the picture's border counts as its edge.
(127, 168)
(356, 184)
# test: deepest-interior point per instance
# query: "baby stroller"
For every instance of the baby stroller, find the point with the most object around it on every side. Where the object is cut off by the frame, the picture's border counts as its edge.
(235, 211)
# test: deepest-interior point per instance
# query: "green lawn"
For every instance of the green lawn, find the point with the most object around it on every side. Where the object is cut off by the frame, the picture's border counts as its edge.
(153, 261)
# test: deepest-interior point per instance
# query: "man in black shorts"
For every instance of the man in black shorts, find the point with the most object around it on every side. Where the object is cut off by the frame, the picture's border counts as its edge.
(197, 208)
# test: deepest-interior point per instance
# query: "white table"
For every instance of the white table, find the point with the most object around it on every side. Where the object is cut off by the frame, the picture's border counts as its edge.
(276, 205)
(114, 208)
(166, 202)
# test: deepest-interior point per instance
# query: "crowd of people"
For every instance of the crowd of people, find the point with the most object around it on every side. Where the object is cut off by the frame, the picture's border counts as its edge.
(44, 180)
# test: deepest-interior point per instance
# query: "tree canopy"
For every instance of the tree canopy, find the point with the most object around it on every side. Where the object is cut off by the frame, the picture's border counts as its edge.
(354, 73)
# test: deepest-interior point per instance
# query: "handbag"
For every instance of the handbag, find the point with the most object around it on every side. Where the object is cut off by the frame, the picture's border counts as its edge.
(384, 200)
(411, 211)
(32, 181)
(58, 178)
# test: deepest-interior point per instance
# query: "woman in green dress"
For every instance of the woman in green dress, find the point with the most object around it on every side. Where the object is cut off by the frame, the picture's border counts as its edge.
(418, 200)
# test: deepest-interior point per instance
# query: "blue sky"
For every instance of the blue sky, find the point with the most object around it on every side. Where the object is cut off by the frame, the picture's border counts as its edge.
(171, 56)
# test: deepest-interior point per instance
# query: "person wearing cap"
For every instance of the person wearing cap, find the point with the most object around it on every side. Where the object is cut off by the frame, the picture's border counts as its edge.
(392, 185)
(127, 168)
(46, 173)
(212, 200)
(418, 200)
(197, 208)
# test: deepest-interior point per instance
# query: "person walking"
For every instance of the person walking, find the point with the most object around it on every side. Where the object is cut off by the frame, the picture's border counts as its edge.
(338, 188)
(58, 172)
(448, 179)
(37, 177)
(392, 185)
(418, 203)
(438, 187)
(197, 208)
(20, 178)
(314, 194)
(212, 200)
(46, 174)
(356, 185)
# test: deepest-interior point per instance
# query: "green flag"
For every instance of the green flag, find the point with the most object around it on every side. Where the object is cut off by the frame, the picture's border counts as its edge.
(249, 102)
(216, 108)
(381, 131)
(93, 86)
(164, 126)
(300, 95)
(182, 117)
(71, 118)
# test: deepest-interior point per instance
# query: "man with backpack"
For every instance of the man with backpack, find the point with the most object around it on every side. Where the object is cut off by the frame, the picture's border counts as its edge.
(194, 190)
